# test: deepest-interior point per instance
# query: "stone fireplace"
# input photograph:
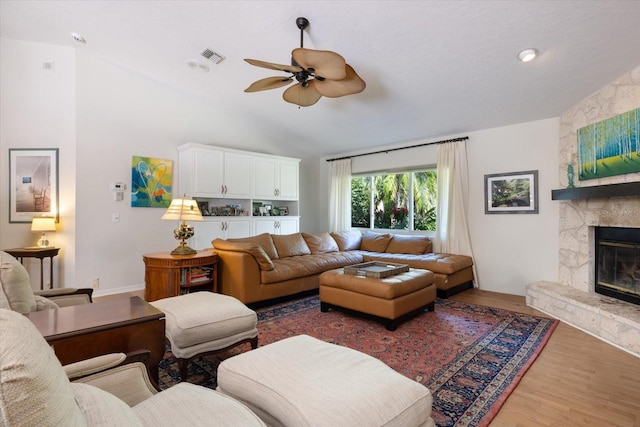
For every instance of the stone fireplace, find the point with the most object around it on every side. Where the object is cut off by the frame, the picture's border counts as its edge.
(605, 202)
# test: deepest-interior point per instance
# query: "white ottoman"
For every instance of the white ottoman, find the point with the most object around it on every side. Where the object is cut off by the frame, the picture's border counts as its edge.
(203, 322)
(302, 381)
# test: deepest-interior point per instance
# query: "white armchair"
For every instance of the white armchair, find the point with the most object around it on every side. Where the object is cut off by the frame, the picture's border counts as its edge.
(16, 293)
(35, 389)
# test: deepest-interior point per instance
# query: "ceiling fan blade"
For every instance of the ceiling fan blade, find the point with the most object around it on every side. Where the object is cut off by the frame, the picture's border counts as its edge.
(272, 66)
(269, 83)
(302, 96)
(351, 84)
(325, 63)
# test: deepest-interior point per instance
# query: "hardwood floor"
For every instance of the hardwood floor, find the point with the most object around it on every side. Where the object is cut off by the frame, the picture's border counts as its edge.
(577, 380)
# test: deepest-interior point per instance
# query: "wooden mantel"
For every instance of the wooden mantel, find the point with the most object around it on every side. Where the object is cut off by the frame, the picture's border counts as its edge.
(625, 189)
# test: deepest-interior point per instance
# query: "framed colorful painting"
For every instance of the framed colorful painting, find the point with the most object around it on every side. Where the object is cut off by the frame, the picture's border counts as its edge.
(151, 182)
(610, 147)
(33, 183)
(511, 193)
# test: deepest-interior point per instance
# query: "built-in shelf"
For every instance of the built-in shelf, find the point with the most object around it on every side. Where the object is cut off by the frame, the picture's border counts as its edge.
(625, 189)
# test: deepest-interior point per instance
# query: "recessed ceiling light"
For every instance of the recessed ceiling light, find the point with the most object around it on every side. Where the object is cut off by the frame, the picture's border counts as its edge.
(527, 55)
(78, 37)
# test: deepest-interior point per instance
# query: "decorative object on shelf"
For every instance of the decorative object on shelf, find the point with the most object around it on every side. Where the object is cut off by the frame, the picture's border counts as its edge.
(183, 210)
(332, 76)
(511, 193)
(151, 182)
(33, 183)
(204, 208)
(43, 224)
(570, 176)
(609, 147)
(284, 210)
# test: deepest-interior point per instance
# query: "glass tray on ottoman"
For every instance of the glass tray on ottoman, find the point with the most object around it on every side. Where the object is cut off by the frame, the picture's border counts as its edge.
(376, 269)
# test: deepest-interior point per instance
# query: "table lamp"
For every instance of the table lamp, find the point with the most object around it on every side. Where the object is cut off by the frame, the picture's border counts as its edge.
(183, 210)
(44, 224)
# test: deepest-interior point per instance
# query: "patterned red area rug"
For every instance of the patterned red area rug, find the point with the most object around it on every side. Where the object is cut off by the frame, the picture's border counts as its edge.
(471, 357)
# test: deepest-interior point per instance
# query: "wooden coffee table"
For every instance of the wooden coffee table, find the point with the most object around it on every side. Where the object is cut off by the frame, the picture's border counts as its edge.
(119, 325)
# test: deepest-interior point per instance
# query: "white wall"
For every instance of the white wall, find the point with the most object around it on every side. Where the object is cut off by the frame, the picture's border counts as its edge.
(509, 250)
(100, 115)
(37, 110)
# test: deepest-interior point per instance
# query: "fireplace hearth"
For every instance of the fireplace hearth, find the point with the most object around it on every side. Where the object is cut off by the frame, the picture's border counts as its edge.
(617, 270)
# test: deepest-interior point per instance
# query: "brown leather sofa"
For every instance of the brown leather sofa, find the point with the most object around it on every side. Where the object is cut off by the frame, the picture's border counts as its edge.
(268, 266)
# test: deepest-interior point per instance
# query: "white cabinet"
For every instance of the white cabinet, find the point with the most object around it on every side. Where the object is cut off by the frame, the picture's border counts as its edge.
(275, 225)
(224, 177)
(276, 178)
(214, 173)
(219, 228)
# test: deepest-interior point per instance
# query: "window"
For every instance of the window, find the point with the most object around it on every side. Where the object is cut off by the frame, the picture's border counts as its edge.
(399, 201)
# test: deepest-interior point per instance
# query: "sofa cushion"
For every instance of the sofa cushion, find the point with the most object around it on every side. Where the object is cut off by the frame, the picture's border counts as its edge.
(403, 244)
(264, 261)
(187, 404)
(308, 265)
(290, 245)
(320, 243)
(375, 242)
(15, 286)
(438, 263)
(34, 389)
(347, 240)
(263, 240)
(101, 408)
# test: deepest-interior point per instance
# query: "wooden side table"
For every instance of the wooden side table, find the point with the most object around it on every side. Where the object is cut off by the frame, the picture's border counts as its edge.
(169, 275)
(36, 252)
(87, 330)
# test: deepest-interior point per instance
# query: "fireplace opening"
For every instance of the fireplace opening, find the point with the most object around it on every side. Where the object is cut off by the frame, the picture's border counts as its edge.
(618, 263)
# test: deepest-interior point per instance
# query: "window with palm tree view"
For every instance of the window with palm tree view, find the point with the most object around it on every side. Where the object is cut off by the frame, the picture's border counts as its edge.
(400, 201)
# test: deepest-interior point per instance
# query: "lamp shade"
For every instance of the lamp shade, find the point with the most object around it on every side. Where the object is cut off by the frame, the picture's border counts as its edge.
(183, 210)
(43, 224)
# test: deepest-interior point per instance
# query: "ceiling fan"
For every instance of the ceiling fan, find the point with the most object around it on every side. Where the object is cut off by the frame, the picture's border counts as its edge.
(318, 73)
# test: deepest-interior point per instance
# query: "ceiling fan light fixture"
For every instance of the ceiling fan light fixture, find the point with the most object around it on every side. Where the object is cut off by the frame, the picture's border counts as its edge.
(528, 54)
(318, 73)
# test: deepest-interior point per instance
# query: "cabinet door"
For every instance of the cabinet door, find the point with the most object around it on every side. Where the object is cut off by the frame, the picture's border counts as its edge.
(288, 180)
(204, 233)
(238, 170)
(208, 173)
(265, 178)
(263, 225)
(237, 227)
(287, 225)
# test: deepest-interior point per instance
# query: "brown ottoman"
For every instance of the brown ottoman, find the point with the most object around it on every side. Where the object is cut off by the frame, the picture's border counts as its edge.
(391, 299)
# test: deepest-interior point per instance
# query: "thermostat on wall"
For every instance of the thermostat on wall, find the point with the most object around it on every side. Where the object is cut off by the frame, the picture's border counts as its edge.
(118, 186)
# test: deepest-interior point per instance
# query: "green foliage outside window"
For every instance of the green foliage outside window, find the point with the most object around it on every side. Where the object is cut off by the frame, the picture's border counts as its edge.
(392, 205)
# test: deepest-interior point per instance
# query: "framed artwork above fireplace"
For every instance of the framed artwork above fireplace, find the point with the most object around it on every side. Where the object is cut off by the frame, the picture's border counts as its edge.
(610, 147)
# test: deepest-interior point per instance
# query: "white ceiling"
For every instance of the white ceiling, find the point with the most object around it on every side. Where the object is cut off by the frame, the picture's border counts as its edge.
(432, 68)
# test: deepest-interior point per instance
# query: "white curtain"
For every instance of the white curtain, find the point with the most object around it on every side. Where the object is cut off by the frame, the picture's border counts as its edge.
(452, 227)
(340, 195)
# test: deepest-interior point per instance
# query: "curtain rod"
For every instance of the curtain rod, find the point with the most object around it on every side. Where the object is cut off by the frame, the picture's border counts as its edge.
(463, 138)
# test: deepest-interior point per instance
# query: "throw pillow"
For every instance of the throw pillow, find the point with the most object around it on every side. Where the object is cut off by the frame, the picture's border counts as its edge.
(320, 243)
(290, 245)
(375, 242)
(402, 244)
(252, 249)
(347, 240)
(263, 240)
(101, 408)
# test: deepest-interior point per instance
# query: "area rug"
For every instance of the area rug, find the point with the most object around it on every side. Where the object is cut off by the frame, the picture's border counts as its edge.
(471, 357)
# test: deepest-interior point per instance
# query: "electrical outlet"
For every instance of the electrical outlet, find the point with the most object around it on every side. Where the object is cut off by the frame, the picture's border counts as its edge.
(95, 282)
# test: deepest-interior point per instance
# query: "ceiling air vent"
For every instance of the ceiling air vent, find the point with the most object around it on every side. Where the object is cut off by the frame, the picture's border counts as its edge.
(212, 56)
